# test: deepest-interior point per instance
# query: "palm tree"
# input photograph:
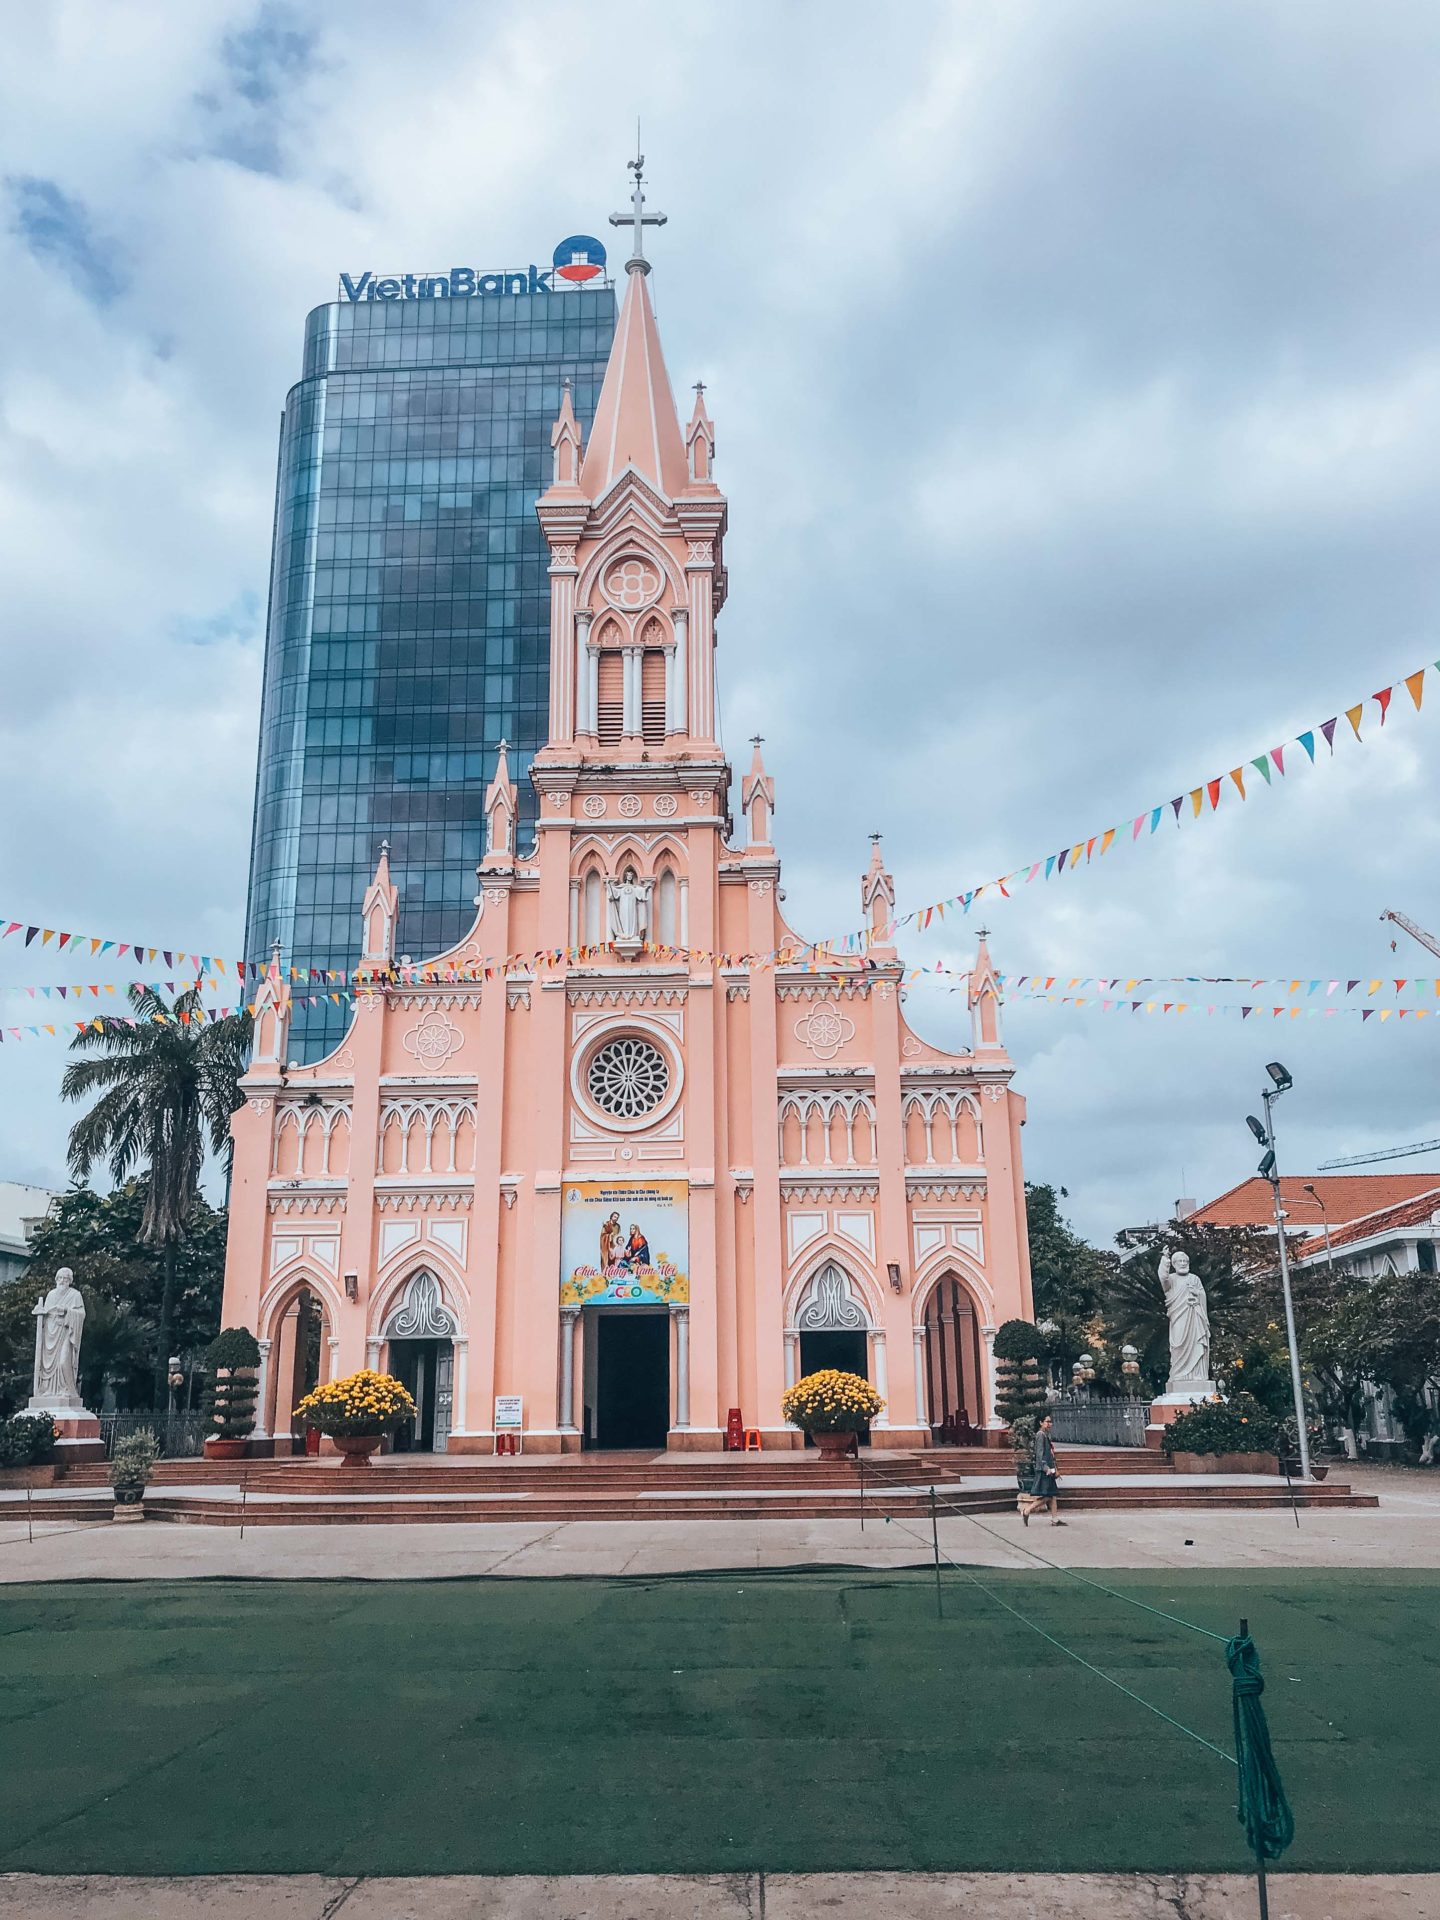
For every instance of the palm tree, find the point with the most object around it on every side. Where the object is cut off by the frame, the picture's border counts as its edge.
(168, 1086)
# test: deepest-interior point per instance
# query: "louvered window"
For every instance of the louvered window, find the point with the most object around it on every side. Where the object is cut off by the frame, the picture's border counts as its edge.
(610, 697)
(652, 695)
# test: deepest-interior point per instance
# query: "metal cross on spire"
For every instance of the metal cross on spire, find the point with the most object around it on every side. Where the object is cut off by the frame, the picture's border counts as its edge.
(637, 218)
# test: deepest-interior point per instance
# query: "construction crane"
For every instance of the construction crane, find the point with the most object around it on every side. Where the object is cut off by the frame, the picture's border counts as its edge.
(1386, 1153)
(1427, 940)
(1432, 945)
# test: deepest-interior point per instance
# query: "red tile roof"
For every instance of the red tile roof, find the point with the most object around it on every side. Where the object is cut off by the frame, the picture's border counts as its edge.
(1347, 1197)
(1409, 1213)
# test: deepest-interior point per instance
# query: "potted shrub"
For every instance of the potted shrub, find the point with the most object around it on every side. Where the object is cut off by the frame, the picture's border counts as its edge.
(131, 1465)
(1018, 1392)
(1022, 1448)
(833, 1407)
(1223, 1436)
(232, 1358)
(27, 1450)
(357, 1412)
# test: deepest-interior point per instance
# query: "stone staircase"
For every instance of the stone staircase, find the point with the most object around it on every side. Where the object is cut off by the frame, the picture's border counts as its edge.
(648, 1487)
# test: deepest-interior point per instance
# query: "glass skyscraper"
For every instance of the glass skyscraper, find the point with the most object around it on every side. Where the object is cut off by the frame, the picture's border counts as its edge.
(408, 628)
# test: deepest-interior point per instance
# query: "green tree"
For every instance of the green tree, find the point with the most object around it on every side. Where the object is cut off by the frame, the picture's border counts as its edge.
(166, 1089)
(1339, 1349)
(123, 1284)
(1069, 1277)
(1229, 1261)
(1405, 1353)
(1018, 1393)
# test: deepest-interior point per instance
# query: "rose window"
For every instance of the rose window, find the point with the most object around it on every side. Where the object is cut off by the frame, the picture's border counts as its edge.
(628, 1078)
(633, 584)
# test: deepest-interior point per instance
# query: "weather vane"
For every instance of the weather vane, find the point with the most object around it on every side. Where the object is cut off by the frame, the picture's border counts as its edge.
(637, 218)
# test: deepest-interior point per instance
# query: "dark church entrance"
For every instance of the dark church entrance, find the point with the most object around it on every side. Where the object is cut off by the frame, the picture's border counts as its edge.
(425, 1368)
(632, 1380)
(845, 1351)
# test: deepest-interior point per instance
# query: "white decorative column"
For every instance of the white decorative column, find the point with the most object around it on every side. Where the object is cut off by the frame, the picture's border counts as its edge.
(584, 676)
(679, 703)
(681, 1317)
(260, 1431)
(372, 1354)
(792, 1358)
(882, 1375)
(630, 724)
(565, 1414)
(333, 1343)
(992, 1418)
(922, 1411)
(460, 1342)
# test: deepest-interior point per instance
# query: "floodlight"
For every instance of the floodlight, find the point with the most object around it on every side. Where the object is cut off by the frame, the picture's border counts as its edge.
(1257, 1127)
(1280, 1075)
(1267, 1165)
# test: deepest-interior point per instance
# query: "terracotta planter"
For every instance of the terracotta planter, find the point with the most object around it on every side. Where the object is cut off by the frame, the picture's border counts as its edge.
(834, 1446)
(1225, 1463)
(219, 1449)
(357, 1447)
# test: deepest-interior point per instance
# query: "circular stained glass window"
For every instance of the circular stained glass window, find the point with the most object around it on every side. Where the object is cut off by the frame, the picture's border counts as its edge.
(628, 1078)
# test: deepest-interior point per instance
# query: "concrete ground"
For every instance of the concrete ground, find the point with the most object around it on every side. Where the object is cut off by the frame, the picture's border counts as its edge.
(1401, 1532)
(818, 1896)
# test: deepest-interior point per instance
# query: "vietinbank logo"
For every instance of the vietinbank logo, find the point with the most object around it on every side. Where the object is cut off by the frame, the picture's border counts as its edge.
(577, 260)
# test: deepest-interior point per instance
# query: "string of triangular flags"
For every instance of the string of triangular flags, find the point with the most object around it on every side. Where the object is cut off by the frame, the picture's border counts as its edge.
(1110, 1003)
(1021, 985)
(1196, 802)
(1202, 800)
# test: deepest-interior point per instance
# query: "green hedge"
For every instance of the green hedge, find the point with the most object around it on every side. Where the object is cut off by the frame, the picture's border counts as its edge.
(1237, 1425)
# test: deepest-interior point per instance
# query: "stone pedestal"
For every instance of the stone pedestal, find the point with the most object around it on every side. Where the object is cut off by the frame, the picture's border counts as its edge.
(1173, 1401)
(77, 1433)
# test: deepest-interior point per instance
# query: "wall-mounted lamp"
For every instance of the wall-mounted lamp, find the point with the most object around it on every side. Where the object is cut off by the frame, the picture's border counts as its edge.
(892, 1267)
(352, 1286)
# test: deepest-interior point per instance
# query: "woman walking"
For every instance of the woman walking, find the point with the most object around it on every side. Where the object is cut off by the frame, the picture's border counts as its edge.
(1045, 1482)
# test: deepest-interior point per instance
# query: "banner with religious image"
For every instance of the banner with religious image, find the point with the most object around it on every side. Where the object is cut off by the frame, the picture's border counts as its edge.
(625, 1243)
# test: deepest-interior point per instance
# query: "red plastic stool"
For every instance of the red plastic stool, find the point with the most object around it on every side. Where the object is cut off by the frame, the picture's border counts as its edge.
(507, 1443)
(752, 1440)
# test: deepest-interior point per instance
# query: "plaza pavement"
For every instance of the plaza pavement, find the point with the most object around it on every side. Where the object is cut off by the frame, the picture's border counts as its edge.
(781, 1896)
(1403, 1531)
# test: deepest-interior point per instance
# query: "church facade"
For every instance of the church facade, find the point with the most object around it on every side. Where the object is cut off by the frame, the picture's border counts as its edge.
(630, 1155)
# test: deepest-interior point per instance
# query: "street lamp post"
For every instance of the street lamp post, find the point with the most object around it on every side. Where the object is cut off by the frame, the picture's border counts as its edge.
(1324, 1225)
(1264, 1132)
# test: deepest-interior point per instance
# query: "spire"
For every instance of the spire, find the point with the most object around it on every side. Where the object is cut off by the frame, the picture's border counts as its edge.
(984, 999)
(565, 443)
(700, 442)
(757, 797)
(500, 813)
(377, 915)
(635, 422)
(877, 896)
(270, 1017)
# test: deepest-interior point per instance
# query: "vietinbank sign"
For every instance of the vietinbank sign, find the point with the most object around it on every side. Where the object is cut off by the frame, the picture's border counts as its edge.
(576, 260)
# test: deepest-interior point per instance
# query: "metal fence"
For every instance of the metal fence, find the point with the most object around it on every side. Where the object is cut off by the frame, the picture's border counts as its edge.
(181, 1435)
(1102, 1423)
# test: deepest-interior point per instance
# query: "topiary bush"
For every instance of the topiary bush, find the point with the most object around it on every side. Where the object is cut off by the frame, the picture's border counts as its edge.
(232, 1357)
(1019, 1394)
(133, 1462)
(27, 1440)
(1237, 1425)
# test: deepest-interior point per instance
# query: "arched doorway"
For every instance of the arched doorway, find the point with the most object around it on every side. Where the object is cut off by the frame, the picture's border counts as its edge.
(832, 1328)
(420, 1330)
(953, 1375)
(299, 1359)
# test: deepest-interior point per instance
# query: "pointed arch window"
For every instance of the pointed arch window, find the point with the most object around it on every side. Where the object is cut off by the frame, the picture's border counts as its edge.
(592, 916)
(610, 696)
(667, 914)
(652, 696)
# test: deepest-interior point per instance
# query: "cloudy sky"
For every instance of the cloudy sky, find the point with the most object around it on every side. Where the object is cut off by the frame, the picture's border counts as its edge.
(1075, 369)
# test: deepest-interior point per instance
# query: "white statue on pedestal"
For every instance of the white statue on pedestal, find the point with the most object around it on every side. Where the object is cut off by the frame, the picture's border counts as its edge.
(59, 1323)
(628, 901)
(1189, 1327)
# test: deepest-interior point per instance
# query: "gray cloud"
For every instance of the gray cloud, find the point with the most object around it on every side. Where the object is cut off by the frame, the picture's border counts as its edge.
(1074, 371)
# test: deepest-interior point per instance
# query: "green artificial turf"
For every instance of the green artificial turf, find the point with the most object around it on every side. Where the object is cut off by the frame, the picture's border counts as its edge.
(823, 1719)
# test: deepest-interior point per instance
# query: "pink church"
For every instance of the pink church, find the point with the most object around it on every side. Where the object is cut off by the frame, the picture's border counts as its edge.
(605, 1197)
